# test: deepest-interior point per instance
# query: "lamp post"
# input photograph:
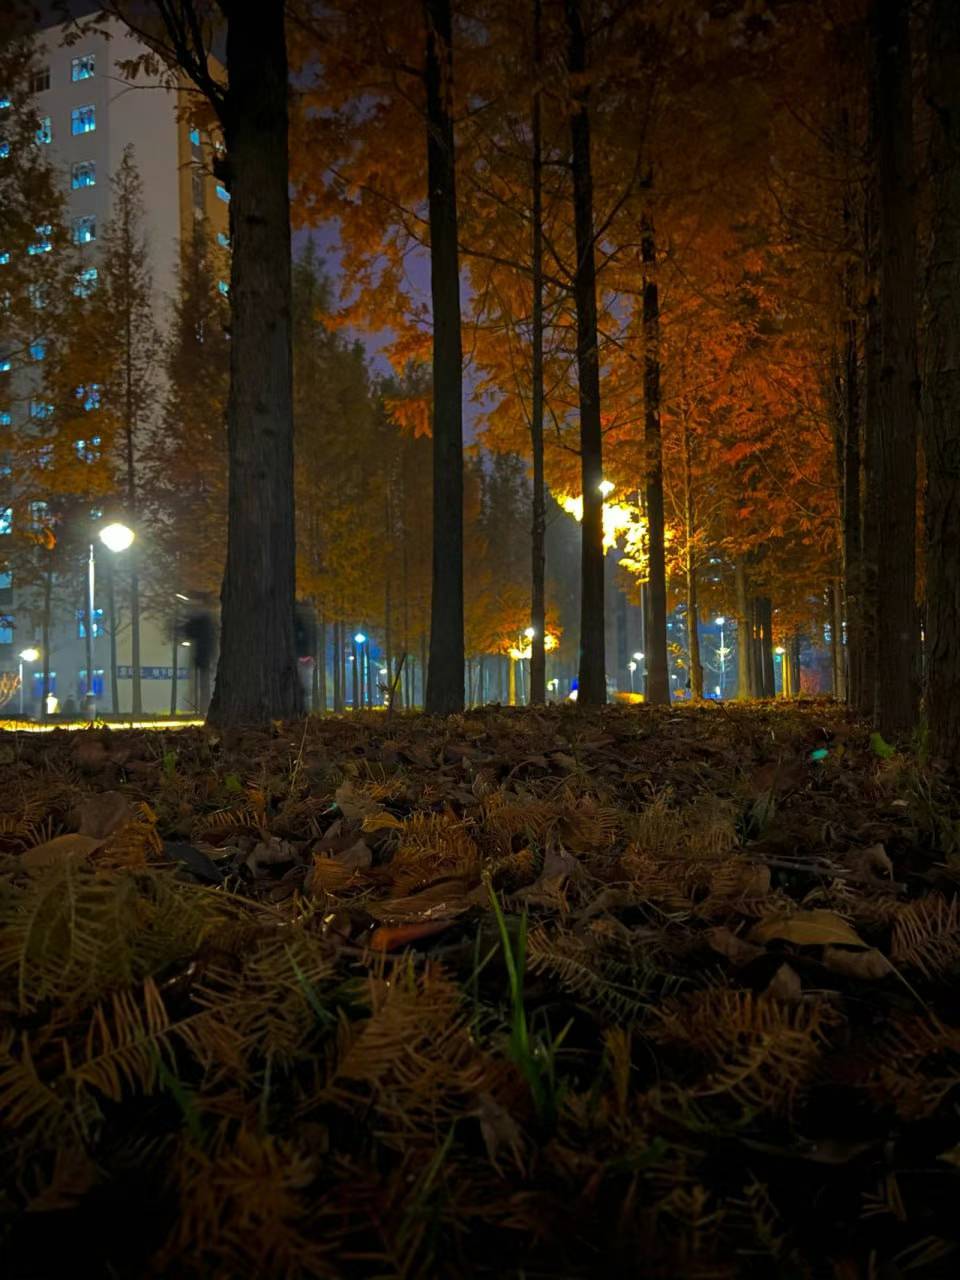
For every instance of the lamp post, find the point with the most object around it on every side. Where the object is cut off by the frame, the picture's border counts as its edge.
(359, 640)
(26, 655)
(780, 652)
(631, 667)
(638, 658)
(722, 655)
(115, 537)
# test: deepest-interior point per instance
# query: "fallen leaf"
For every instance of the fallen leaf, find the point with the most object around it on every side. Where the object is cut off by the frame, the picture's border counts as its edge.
(56, 850)
(807, 929)
(785, 984)
(390, 937)
(381, 822)
(444, 898)
(268, 853)
(101, 815)
(737, 950)
(873, 862)
(498, 1130)
(358, 857)
(870, 964)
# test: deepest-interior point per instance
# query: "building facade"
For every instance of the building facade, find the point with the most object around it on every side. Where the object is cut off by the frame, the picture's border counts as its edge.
(90, 112)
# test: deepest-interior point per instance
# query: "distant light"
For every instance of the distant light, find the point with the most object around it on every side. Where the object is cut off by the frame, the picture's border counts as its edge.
(631, 666)
(29, 655)
(780, 650)
(384, 671)
(181, 596)
(720, 621)
(716, 690)
(360, 638)
(572, 695)
(638, 657)
(184, 644)
(530, 632)
(607, 487)
(116, 537)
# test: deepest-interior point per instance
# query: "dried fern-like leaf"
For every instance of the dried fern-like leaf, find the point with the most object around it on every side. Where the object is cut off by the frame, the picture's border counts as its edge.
(926, 935)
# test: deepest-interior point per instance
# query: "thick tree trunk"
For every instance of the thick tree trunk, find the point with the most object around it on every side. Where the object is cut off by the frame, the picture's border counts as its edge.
(850, 509)
(337, 671)
(745, 681)
(136, 691)
(942, 407)
(320, 664)
(112, 624)
(765, 619)
(257, 676)
(45, 637)
(174, 664)
(538, 604)
(897, 619)
(592, 682)
(444, 693)
(693, 610)
(866, 659)
(655, 640)
(839, 682)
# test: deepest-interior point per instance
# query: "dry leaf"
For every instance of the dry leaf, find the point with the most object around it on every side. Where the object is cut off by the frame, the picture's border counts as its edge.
(785, 984)
(390, 937)
(737, 950)
(870, 964)
(499, 1129)
(382, 821)
(807, 929)
(357, 858)
(873, 862)
(443, 899)
(101, 815)
(53, 851)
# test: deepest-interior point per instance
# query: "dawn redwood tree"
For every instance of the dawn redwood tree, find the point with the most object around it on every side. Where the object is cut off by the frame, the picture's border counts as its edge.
(897, 620)
(257, 677)
(538, 599)
(942, 385)
(655, 639)
(444, 694)
(592, 690)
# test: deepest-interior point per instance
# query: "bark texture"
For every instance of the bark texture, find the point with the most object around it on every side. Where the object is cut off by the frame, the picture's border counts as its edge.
(655, 640)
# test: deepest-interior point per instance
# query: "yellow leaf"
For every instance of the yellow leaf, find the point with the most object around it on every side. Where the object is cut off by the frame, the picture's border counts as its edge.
(807, 929)
(54, 851)
(381, 822)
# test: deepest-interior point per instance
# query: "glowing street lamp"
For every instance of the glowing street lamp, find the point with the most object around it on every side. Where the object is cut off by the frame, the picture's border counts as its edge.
(115, 537)
(631, 667)
(722, 655)
(359, 640)
(606, 487)
(26, 655)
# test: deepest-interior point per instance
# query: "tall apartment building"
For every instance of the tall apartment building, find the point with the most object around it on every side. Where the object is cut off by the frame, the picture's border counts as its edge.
(90, 112)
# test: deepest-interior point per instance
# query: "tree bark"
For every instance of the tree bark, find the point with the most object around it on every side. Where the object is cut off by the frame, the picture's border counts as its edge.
(693, 611)
(655, 640)
(836, 641)
(897, 618)
(257, 676)
(866, 659)
(765, 618)
(850, 505)
(591, 679)
(174, 663)
(942, 406)
(444, 693)
(538, 604)
(745, 681)
(320, 664)
(45, 637)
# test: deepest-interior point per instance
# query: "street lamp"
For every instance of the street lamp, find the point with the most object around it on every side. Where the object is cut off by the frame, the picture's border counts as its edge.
(722, 655)
(359, 640)
(606, 487)
(115, 537)
(631, 667)
(26, 655)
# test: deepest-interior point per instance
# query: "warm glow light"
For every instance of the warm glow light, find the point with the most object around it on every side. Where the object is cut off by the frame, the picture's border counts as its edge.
(607, 487)
(360, 638)
(184, 644)
(779, 651)
(29, 655)
(116, 537)
(530, 632)
(180, 596)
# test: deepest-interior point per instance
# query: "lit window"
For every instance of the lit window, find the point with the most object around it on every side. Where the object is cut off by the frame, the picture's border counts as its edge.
(223, 287)
(4, 257)
(39, 511)
(88, 450)
(83, 174)
(45, 130)
(83, 120)
(6, 580)
(82, 68)
(84, 229)
(4, 103)
(222, 193)
(82, 624)
(4, 150)
(195, 137)
(223, 240)
(6, 623)
(5, 419)
(39, 409)
(86, 282)
(6, 364)
(38, 683)
(45, 456)
(97, 682)
(6, 519)
(40, 80)
(90, 395)
(43, 243)
(38, 349)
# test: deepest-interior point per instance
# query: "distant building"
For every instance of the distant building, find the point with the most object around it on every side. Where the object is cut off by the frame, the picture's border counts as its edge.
(90, 113)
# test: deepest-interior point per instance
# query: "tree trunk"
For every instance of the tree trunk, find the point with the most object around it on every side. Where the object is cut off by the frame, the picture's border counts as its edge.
(898, 627)
(850, 508)
(693, 611)
(745, 680)
(592, 683)
(655, 640)
(45, 636)
(836, 641)
(174, 665)
(765, 639)
(112, 623)
(538, 605)
(423, 672)
(320, 664)
(942, 409)
(866, 681)
(257, 676)
(136, 690)
(444, 693)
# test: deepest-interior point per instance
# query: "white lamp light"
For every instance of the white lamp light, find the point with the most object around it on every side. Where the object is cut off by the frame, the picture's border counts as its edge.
(116, 537)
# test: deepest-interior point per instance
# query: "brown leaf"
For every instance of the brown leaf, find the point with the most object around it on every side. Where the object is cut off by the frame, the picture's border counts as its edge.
(357, 858)
(390, 937)
(499, 1130)
(268, 853)
(873, 862)
(737, 950)
(443, 899)
(807, 929)
(871, 964)
(54, 851)
(785, 984)
(381, 822)
(101, 815)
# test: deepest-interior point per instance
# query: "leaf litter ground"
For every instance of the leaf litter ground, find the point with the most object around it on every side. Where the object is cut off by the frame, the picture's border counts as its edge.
(521, 993)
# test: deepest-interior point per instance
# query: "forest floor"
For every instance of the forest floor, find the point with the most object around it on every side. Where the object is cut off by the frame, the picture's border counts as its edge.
(649, 992)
